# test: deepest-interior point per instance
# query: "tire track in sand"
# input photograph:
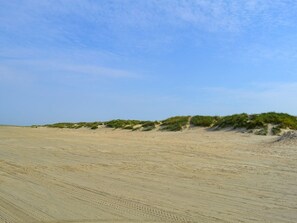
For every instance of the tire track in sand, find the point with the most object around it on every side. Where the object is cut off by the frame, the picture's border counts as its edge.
(122, 207)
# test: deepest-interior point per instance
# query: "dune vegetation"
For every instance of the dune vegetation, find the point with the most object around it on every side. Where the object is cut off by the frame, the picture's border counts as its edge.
(204, 121)
(69, 125)
(176, 123)
(261, 124)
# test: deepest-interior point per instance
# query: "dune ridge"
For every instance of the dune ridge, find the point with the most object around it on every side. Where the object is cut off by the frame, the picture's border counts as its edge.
(270, 123)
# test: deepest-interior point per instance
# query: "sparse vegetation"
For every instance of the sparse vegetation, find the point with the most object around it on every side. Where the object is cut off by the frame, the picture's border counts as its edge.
(92, 125)
(276, 130)
(262, 131)
(120, 123)
(257, 123)
(131, 124)
(61, 125)
(69, 125)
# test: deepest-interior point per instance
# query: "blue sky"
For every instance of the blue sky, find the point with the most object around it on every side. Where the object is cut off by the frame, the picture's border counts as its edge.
(87, 60)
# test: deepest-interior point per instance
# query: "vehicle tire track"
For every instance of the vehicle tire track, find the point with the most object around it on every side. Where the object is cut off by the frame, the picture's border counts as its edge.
(116, 205)
(120, 205)
(11, 213)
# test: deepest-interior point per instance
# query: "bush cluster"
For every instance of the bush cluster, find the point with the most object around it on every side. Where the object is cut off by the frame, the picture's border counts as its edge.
(203, 121)
(234, 121)
(283, 120)
(120, 123)
(259, 121)
(276, 130)
(262, 131)
(131, 124)
(69, 125)
(176, 123)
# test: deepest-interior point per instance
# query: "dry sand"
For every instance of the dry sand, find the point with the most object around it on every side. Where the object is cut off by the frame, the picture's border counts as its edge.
(71, 176)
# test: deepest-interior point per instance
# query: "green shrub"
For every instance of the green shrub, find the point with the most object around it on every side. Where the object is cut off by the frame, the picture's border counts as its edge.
(91, 125)
(61, 125)
(183, 120)
(120, 123)
(233, 121)
(176, 123)
(276, 130)
(203, 121)
(94, 127)
(257, 121)
(262, 132)
(173, 127)
(255, 124)
(282, 119)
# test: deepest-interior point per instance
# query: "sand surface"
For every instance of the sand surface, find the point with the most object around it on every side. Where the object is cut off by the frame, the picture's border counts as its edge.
(73, 176)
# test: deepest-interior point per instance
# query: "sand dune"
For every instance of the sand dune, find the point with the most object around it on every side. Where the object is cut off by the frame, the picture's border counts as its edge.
(63, 175)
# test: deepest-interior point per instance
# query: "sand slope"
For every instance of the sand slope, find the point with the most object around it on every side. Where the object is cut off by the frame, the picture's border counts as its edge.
(63, 175)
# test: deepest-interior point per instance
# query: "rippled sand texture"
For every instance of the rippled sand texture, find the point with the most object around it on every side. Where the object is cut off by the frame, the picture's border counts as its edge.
(63, 175)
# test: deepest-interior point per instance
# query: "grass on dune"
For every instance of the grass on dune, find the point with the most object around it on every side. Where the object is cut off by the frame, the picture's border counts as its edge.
(176, 123)
(257, 123)
(69, 125)
(203, 121)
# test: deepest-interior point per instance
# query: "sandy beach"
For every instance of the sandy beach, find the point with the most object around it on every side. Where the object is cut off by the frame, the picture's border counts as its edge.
(104, 175)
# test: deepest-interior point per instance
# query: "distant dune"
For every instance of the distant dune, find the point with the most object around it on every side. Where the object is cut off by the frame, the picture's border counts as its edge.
(270, 123)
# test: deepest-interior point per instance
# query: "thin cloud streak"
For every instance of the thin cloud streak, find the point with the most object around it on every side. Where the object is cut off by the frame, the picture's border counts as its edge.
(19, 63)
(36, 70)
(212, 15)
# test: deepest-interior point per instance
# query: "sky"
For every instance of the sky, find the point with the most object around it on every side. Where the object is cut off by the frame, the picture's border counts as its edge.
(89, 60)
